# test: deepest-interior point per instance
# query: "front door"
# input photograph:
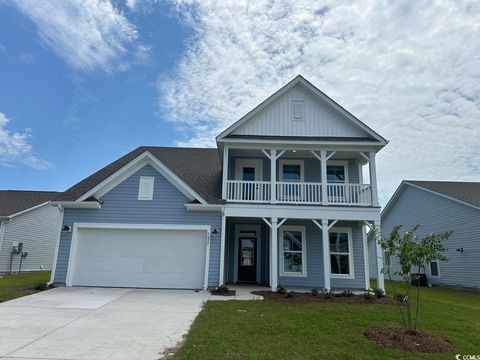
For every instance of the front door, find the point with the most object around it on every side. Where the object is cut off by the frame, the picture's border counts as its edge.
(247, 258)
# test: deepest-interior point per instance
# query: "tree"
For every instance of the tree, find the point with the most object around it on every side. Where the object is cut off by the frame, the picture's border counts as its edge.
(412, 255)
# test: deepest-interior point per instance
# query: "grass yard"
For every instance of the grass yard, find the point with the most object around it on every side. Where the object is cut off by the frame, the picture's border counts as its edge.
(14, 286)
(274, 330)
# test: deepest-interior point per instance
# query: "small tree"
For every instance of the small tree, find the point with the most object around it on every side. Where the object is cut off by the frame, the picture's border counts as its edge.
(412, 255)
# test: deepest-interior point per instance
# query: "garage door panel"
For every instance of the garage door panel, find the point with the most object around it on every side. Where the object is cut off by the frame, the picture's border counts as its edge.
(139, 258)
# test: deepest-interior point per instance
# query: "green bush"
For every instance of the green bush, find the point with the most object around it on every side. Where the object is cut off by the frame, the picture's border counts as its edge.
(290, 294)
(327, 293)
(281, 289)
(347, 293)
(378, 292)
(400, 297)
(315, 291)
(222, 289)
(369, 295)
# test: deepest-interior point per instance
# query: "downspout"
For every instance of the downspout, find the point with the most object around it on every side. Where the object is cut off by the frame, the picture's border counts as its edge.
(55, 255)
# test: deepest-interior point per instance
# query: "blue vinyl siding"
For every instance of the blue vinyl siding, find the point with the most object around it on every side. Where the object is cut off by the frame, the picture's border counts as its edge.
(436, 214)
(121, 205)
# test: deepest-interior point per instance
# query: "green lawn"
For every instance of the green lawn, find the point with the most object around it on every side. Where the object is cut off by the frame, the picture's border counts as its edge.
(14, 286)
(273, 330)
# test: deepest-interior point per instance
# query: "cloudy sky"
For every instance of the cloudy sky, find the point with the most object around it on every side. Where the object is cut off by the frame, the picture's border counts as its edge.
(82, 82)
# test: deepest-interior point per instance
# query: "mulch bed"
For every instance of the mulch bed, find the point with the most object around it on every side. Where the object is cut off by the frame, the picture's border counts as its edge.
(305, 298)
(398, 338)
(229, 293)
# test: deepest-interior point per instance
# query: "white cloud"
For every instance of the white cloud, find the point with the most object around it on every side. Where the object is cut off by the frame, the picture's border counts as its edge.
(15, 148)
(410, 70)
(87, 34)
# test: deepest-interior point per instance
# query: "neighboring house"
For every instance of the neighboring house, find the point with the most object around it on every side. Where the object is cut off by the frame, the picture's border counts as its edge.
(440, 206)
(26, 217)
(280, 200)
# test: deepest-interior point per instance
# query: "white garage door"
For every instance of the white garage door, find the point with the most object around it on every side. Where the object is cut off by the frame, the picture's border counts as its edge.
(139, 258)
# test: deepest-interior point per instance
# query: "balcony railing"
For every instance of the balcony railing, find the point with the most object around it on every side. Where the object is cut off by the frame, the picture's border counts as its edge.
(306, 193)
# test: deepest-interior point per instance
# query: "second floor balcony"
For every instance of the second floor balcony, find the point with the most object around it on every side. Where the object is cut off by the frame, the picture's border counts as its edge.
(302, 177)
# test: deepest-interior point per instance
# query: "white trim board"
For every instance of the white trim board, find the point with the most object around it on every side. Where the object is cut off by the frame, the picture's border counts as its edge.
(77, 226)
(27, 210)
(317, 93)
(131, 168)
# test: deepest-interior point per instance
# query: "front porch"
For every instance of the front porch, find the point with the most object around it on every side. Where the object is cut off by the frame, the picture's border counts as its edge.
(290, 251)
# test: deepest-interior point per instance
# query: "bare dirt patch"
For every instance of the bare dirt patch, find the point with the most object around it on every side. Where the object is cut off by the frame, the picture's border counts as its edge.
(228, 293)
(399, 338)
(305, 298)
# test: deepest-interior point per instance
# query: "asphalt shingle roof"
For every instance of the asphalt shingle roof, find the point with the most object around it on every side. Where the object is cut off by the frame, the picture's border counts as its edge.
(468, 192)
(200, 168)
(14, 201)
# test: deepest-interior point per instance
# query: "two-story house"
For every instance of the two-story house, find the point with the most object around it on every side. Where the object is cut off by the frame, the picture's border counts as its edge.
(282, 199)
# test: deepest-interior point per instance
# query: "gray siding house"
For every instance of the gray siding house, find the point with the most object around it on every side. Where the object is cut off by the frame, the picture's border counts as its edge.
(440, 206)
(281, 199)
(27, 218)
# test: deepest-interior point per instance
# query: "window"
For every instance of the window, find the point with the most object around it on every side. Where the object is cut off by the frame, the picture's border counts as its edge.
(341, 252)
(298, 110)
(292, 251)
(145, 188)
(290, 171)
(337, 173)
(434, 269)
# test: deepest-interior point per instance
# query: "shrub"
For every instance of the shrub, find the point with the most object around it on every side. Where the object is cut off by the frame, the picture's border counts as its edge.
(42, 286)
(327, 293)
(347, 293)
(222, 289)
(290, 294)
(281, 289)
(378, 292)
(315, 291)
(400, 297)
(369, 295)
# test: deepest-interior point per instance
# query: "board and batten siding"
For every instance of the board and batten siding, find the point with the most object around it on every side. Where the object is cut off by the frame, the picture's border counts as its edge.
(320, 119)
(38, 230)
(436, 214)
(121, 205)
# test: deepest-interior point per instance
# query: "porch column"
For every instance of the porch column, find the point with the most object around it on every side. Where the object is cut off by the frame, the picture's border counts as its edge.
(373, 177)
(274, 254)
(273, 176)
(366, 263)
(323, 165)
(326, 254)
(223, 229)
(379, 253)
(225, 172)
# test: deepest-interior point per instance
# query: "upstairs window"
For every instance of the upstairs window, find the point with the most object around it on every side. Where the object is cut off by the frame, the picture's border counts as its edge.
(298, 110)
(335, 173)
(145, 188)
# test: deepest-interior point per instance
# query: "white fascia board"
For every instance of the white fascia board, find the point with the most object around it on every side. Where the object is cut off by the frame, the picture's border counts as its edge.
(76, 205)
(317, 92)
(27, 210)
(303, 212)
(204, 207)
(131, 168)
(298, 144)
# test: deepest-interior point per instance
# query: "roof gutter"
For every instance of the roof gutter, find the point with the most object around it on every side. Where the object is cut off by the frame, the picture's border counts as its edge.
(77, 205)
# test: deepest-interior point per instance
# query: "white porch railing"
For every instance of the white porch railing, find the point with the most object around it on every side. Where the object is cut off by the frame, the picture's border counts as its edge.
(298, 193)
(349, 194)
(248, 191)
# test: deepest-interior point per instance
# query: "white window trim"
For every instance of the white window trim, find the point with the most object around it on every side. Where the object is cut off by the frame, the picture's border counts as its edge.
(255, 163)
(438, 269)
(282, 162)
(143, 180)
(351, 275)
(343, 163)
(304, 251)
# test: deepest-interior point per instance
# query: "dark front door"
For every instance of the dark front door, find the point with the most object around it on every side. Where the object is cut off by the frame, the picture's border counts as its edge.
(247, 258)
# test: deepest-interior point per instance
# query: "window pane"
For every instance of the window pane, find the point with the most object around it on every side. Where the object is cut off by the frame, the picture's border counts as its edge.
(434, 268)
(338, 242)
(246, 258)
(335, 173)
(291, 172)
(248, 174)
(292, 240)
(292, 262)
(339, 264)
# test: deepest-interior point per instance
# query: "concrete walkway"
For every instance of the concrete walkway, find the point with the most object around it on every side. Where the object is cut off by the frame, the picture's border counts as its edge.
(96, 323)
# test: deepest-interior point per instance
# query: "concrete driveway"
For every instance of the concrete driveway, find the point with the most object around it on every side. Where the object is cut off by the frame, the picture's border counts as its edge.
(96, 323)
